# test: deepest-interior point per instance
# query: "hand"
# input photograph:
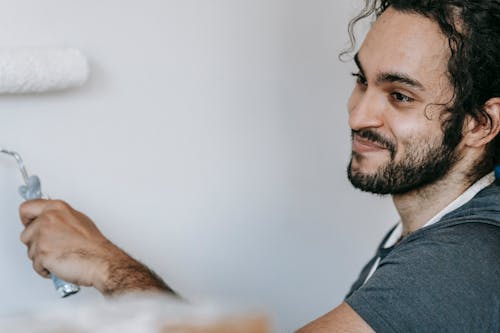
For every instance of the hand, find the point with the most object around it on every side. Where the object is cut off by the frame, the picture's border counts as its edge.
(67, 243)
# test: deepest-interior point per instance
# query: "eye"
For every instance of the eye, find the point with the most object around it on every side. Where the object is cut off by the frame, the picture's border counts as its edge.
(360, 79)
(399, 97)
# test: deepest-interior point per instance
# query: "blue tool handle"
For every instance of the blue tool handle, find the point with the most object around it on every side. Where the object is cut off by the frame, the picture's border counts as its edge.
(33, 190)
(64, 288)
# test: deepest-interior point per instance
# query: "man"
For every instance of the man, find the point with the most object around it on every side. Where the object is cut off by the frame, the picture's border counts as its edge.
(425, 118)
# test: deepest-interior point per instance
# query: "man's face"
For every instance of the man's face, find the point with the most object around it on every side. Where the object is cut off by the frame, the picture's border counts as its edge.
(397, 138)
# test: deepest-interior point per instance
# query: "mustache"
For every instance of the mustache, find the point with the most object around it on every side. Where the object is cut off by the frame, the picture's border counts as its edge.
(376, 138)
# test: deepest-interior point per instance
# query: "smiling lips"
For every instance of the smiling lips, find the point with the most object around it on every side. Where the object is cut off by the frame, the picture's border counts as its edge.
(362, 145)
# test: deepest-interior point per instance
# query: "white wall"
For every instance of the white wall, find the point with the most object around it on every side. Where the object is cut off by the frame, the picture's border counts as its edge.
(211, 143)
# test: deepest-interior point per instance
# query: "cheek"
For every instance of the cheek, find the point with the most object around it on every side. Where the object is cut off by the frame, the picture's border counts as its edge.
(410, 136)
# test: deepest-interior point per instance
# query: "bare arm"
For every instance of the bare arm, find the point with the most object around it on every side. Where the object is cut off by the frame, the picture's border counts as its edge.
(67, 243)
(342, 319)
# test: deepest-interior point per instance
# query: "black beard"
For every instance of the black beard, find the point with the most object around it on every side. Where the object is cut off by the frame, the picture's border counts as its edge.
(423, 164)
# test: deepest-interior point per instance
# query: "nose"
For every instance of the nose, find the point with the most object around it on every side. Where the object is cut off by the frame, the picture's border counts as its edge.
(365, 110)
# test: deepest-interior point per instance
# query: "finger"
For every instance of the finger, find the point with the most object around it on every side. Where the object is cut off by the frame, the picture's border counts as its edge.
(29, 233)
(30, 210)
(38, 267)
(31, 253)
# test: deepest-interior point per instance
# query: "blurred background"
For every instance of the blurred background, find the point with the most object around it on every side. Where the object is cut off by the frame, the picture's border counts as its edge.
(211, 143)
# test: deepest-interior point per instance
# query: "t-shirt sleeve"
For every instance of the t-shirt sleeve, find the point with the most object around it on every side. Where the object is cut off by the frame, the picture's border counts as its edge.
(446, 281)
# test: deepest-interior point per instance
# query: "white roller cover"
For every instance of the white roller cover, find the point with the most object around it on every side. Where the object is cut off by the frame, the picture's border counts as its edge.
(36, 70)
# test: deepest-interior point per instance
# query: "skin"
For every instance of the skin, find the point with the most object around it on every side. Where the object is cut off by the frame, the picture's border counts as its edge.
(407, 44)
(402, 43)
(67, 243)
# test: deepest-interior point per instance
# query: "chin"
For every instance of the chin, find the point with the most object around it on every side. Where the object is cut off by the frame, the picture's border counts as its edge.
(366, 165)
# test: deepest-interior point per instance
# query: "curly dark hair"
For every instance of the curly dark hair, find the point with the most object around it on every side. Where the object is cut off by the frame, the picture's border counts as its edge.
(473, 31)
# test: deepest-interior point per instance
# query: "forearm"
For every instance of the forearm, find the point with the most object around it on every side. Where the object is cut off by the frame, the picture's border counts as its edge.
(67, 243)
(123, 274)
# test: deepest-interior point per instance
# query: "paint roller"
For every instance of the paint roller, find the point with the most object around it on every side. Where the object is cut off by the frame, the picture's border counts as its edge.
(33, 71)
(26, 70)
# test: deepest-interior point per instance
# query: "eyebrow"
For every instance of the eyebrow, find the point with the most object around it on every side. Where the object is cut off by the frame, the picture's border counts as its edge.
(392, 77)
(399, 78)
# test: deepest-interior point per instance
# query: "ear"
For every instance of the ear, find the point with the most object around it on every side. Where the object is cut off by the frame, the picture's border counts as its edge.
(480, 132)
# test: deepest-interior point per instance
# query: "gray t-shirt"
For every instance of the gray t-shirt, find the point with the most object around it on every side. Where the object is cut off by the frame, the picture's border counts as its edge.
(441, 278)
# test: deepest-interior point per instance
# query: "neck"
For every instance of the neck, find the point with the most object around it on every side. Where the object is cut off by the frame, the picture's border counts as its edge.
(417, 207)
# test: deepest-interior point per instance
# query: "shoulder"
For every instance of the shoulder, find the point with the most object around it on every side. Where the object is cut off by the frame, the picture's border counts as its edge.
(469, 244)
(441, 277)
